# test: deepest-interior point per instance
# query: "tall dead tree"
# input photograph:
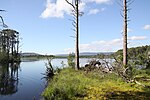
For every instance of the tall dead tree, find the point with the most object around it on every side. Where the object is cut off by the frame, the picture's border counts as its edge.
(75, 22)
(125, 5)
(125, 33)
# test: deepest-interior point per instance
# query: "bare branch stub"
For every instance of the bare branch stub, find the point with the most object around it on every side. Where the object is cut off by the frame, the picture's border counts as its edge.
(129, 2)
(81, 13)
(74, 24)
(74, 30)
(73, 36)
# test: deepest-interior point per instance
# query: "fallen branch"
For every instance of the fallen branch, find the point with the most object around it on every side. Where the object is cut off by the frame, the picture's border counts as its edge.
(139, 83)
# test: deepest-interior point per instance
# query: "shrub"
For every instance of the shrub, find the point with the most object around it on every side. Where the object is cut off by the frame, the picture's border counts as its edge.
(70, 59)
(3, 57)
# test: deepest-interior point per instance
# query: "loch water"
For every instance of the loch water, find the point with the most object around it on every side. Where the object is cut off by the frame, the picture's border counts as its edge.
(25, 81)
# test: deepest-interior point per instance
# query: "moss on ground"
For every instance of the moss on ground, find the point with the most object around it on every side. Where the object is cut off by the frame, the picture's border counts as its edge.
(78, 85)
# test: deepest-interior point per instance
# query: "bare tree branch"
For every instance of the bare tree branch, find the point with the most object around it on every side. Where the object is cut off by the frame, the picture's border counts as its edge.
(4, 25)
(73, 36)
(74, 24)
(121, 14)
(2, 20)
(2, 10)
(74, 29)
(81, 13)
(119, 3)
(129, 2)
(70, 4)
(128, 9)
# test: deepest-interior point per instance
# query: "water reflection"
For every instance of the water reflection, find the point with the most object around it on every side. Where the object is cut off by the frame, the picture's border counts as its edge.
(24, 81)
(9, 78)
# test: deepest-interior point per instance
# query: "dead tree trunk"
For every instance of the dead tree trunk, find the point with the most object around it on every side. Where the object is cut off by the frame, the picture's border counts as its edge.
(125, 33)
(77, 37)
(75, 22)
(125, 8)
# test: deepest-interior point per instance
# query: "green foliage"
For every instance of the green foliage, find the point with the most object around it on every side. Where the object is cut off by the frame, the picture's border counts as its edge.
(138, 54)
(49, 68)
(101, 56)
(66, 85)
(3, 57)
(76, 85)
(70, 59)
(9, 45)
(148, 65)
(145, 73)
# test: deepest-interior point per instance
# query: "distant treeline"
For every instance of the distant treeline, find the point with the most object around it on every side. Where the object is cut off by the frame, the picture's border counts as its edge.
(47, 56)
(133, 53)
(37, 56)
(136, 52)
(138, 55)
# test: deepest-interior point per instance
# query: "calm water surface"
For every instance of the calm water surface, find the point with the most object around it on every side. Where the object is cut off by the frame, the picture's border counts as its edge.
(25, 80)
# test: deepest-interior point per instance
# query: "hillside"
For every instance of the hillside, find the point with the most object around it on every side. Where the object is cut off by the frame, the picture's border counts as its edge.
(136, 52)
(30, 54)
(87, 54)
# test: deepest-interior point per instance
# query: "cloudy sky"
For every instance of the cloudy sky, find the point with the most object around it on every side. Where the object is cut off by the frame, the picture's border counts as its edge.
(45, 25)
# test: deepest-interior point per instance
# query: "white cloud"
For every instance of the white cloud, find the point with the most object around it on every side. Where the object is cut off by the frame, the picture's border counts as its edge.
(106, 46)
(69, 50)
(82, 6)
(129, 30)
(56, 9)
(137, 38)
(95, 11)
(146, 27)
(98, 1)
(60, 7)
(101, 1)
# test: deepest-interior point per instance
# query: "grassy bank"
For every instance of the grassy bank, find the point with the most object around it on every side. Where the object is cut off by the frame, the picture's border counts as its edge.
(71, 84)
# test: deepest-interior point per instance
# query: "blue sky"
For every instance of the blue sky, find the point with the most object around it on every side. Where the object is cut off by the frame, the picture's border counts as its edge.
(45, 27)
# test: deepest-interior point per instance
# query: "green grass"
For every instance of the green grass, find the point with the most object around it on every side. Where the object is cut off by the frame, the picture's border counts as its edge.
(78, 85)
